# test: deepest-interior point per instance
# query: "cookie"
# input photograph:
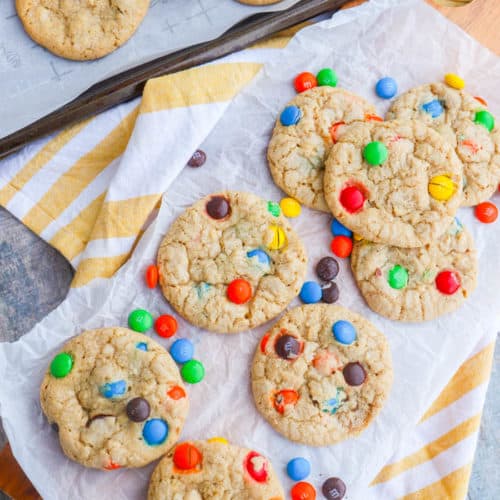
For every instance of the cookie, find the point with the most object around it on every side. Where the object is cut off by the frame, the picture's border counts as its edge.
(453, 113)
(87, 29)
(116, 398)
(395, 182)
(321, 374)
(214, 469)
(417, 284)
(231, 262)
(298, 147)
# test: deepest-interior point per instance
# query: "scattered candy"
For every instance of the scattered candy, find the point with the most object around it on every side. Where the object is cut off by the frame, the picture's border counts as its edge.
(140, 320)
(186, 456)
(448, 282)
(193, 371)
(239, 291)
(165, 326)
(142, 346)
(334, 488)
(155, 431)
(441, 187)
(310, 292)
(344, 332)
(262, 256)
(112, 390)
(375, 153)
(373, 118)
(486, 212)
(332, 405)
(61, 365)
(182, 350)
(198, 159)
(354, 374)
(304, 81)
(284, 398)
(398, 277)
(218, 439)
(327, 77)
(138, 410)
(263, 343)
(112, 466)
(433, 108)
(279, 238)
(454, 81)
(486, 119)
(327, 269)
(291, 115)
(386, 88)
(176, 393)
(334, 131)
(257, 466)
(330, 293)
(303, 491)
(341, 246)
(481, 100)
(339, 229)
(291, 208)
(218, 207)
(273, 208)
(298, 468)
(471, 145)
(287, 347)
(152, 276)
(352, 199)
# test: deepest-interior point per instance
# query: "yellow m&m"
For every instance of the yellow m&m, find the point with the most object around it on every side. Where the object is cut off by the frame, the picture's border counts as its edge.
(454, 81)
(290, 207)
(218, 439)
(441, 187)
(279, 238)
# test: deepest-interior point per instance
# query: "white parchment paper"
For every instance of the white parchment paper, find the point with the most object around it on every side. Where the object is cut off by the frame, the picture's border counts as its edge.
(409, 41)
(34, 82)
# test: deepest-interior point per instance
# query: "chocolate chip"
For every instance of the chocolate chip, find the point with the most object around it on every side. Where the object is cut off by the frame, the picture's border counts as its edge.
(218, 207)
(333, 488)
(327, 268)
(287, 347)
(354, 373)
(330, 293)
(138, 410)
(55, 427)
(198, 159)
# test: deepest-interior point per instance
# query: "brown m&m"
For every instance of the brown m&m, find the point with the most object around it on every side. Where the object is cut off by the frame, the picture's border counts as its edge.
(354, 373)
(287, 347)
(218, 207)
(333, 488)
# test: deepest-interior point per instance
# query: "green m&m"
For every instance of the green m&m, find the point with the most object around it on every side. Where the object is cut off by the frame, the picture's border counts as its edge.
(398, 277)
(140, 320)
(486, 119)
(327, 77)
(375, 153)
(193, 371)
(273, 208)
(61, 365)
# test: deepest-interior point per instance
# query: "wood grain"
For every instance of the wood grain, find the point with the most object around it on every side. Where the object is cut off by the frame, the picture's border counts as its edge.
(12, 478)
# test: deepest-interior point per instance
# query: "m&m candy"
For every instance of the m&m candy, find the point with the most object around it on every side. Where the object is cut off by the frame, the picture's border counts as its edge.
(339, 229)
(261, 256)
(257, 466)
(291, 208)
(486, 212)
(218, 439)
(327, 77)
(344, 332)
(138, 410)
(218, 207)
(291, 115)
(193, 371)
(273, 208)
(61, 365)
(112, 390)
(310, 292)
(341, 246)
(441, 187)
(375, 153)
(354, 374)
(152, 276)
(142, 346)
(486, 119)
(330, 293)
(333, 488)
(303, 491)
(298, 468)
(398, 277)
(279, 238)
(284, 398)
(352, 199)
(176, 393)
(287, 347)
(454, 81)
(386, 87)
(327, 269)
(239, 291)
(182, 350)
(304, 81)
(198, 159)
(165, 326)
(433, 108)
(448, 282)
(187, 456)
(155, 431)
(140, 320)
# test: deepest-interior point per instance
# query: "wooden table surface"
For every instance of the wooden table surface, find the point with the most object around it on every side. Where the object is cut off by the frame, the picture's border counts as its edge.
(479, 19)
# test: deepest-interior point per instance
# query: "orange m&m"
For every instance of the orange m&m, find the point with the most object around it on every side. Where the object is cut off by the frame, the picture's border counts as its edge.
(305, 81)
(284, 398)
(341, 246)
(239, 291)
(187, 456)
(152, 276)
(177, 392)
(486, 212)
(303, 491)
(166, 326)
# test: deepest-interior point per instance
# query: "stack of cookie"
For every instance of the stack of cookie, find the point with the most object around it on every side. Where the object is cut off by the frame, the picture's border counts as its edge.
(397, 184)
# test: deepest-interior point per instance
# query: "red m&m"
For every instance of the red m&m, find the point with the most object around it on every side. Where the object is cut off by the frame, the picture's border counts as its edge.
(239, 291)
(166, 326)
(305, 81)
(486, 212)
(352, 199)
(448, 282)
(341, 246)
(186, 456)
(257, 466)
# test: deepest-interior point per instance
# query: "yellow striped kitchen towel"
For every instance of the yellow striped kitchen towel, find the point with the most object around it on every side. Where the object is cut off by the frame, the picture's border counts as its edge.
(91, 190)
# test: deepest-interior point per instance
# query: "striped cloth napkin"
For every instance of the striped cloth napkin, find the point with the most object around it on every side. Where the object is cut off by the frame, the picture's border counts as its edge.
(92, 189)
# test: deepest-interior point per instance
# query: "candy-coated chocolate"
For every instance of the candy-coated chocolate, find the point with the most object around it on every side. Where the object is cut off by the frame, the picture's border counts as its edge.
(218, 207)
(176, 393)
(398, 277)
(61, 365)
(481, 100)
(486, 212)
(341, 246)
(291, 208)
(284, 398)
(287, 347)
(448, 282)
(303, 491)
(142, 346)
(375, 153)
(441, 187)
(454, 81)
(354, 374)
(155, 431)
(193, 371)
(182, 350)
(327, 269)
(166, 325)
(112, 390)
(344, 332)
(138, 410)
(273, 208)
(279, 238)
(291, 115)
(373, 118)
(330, 293)
(298, 468)
(239, 291)
(112, 466)
(386, 88)
(261, 256)
(198, 159)
(333, 488)
(338, 229)
(486, 119)
(334, 130)
(152, 276)
(310, 292)
(263, 343)
(218, 439)
(140, 320)
(304, 81)
(352, 199)
(187, 456)
(326, 77)
(433, 108)
(257, 466)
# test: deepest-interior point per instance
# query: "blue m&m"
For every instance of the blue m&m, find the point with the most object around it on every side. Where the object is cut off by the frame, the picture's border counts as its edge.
(433, 108)
(339, 229)
(182, 350)
(298, 468)
(310, 293)
(261, 256)
(386, 88)
(344, 332)
(155, 431)
(142, 346)
(291, 115)
(112, 390)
